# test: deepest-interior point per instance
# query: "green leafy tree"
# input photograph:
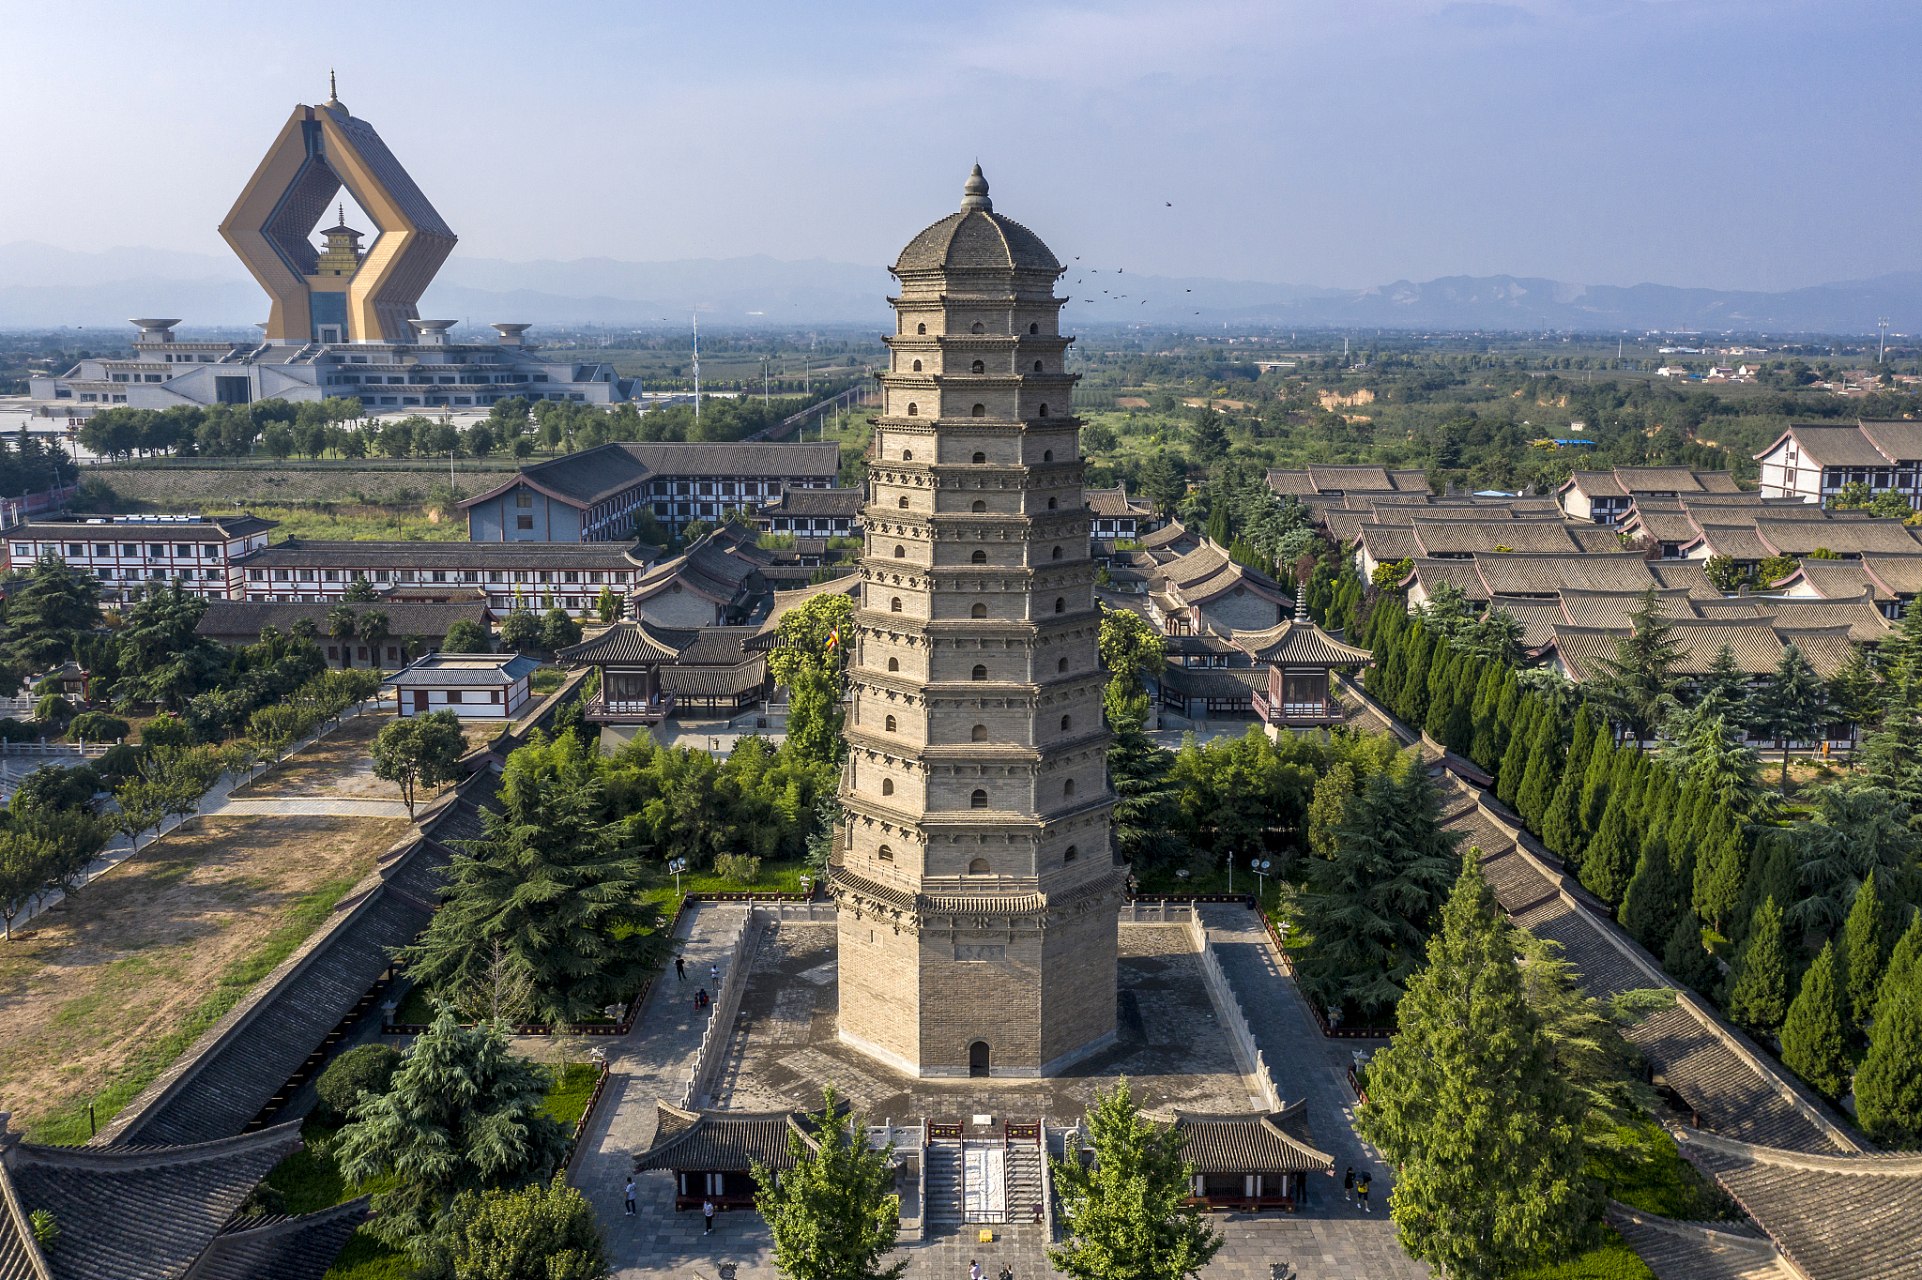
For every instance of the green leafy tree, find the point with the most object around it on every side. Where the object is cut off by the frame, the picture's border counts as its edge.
(550, 884)
(1758, 994)
(161, 659)
(1685, 958)
(367, 1068)
(1131, 650)
(520, 629)
(558, 630)
(1856, 832)
(1816, 1033)
(1468, 1105)
(1126, 1215)
(1718, 869)
(1855, 692)
(528, 1233)
(26, 870)
(1367, 908)
(465, 636)
(1610, 858)
(342, 627)
(373, 630)
(1544, 766)
(1903, 960)
(1789, 706)
(1888, 1088)
(360, 591)
(1147, 811)
(420, 751)
(1654, 894)
(607, 606)
(1561, 823)
(461, 1113)
(834, 1214)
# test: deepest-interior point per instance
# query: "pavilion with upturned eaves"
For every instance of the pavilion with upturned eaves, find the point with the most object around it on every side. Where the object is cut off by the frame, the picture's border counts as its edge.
(1299, 656)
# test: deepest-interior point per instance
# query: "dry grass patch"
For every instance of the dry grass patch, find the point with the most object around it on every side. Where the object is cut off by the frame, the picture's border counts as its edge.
(341, 765)
(106, 993)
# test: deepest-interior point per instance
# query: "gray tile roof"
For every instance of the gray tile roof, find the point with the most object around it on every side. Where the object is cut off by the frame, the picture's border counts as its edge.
(1537, 614)
(1827, 446)
(976, 240)
(721, 1141)
(1461, 573)
(1300, 644)
(65, 526)
(1528, 575)
(1273, 1142)
(582, 479)
(1116, 502)
(141, 1213)
(463, 671)
(1836, 1217)
(1844, 537)
(1684, 573)
(1168, 535)
(1899, 438)
(621, 644)
(844, 504)
(1465, 537)
(282, 1248)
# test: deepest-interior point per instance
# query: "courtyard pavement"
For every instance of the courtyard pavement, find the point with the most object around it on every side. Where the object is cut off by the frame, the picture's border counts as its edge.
(788, 1012)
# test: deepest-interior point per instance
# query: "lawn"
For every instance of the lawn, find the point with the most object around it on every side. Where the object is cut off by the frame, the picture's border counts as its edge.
(775, 877)
(355, 522)
(1663, 1182)
(99, 998)
(1613, 1260)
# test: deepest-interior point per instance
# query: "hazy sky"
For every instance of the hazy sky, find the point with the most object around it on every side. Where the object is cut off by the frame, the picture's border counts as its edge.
(1761, 144)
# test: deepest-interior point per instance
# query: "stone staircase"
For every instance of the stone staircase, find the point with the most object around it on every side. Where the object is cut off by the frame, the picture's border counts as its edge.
(1699, 1250)
(941, 1183)
(1024, 1181)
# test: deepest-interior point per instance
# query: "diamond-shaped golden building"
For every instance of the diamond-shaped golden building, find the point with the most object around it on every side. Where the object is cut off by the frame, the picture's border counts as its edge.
(344, 294)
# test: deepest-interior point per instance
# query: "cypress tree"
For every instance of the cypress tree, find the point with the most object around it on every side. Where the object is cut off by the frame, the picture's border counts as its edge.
(1771, 875)
(1468, 1105)
(1610, 858)
(1718, 870)
(1458, 731)
(1560, 831)
(1862, 945)
(1815, 1034)
(1601, 767)
(1888, 1088)
(1685, 825)
(1902, 962)
(1483, 749)
(1685, 958)
(1758, 996)
(1505, 709)
(1508, 778)
(1544, 763)
(1441, 691)
(1650, 903)
(1411, 703)
(1383, 679)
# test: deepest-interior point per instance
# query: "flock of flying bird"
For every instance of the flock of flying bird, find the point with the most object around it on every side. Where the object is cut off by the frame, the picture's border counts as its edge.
(1121, 270)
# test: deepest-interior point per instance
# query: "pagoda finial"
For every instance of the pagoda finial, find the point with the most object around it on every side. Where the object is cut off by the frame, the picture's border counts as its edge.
(974, 193)
(340, 211)
(333, 93)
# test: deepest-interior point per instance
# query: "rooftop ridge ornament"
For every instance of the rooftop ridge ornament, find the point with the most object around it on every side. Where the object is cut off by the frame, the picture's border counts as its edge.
(974, 193)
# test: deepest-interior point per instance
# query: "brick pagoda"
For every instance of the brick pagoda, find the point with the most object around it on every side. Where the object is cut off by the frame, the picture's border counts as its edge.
(977, 895)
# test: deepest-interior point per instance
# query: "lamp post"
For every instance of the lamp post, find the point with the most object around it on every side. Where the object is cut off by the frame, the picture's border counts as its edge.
(1261, 876)
(1231, 873)
(677, 866)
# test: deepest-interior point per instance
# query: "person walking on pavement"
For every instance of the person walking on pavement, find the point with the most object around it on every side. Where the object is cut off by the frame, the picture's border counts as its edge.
(974, 1270)
(1348, 1182)
(680, 968)
(707, 1211)
(714, 974)
(630, 1198)
(1361, 1190)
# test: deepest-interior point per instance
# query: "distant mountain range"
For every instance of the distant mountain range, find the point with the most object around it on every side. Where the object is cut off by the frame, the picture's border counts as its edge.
(45, 287)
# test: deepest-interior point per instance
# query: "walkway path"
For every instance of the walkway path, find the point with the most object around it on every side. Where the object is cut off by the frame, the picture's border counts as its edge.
(1335, 1239)
(308, 807)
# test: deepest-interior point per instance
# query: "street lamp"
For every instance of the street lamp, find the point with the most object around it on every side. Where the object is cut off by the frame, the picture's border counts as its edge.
(677, 866)
(1231, 873)
(1261, 872)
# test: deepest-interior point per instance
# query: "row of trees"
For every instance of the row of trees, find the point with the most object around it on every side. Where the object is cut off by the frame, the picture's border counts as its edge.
(1700, 861)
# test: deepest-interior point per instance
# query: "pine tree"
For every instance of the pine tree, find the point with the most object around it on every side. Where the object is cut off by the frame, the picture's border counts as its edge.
(1816, 1033)
(1488, 691)
(1789, 705)
(1505, 707)
(1758, 994)
(1514, 767)
(1718, 870)
(1468, 1106)
(461, 1113)
(1458, 730)
(1411, 704)
(1147, 802)
(1904, 960)
(1862, 945)
(1126, 1214)
(1368, 907)
(1651, 901)
(1610, 858)
(1685, 959)
(1771, 875)
(1544, 766)
(1560, 826)
(1638, 684)
(1888, 1088)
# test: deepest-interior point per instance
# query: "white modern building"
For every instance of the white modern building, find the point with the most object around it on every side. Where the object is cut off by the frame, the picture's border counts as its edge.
(131, 553)
(474, 686)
